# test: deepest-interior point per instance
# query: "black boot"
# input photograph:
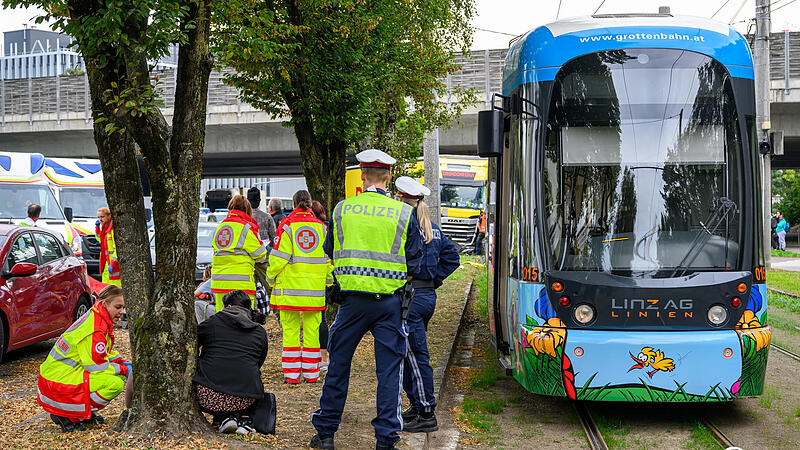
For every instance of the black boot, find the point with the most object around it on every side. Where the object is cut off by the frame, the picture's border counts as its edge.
(382, 446)
(423, 423)
(95, 419)
(325, 442)
(409, 414)
(67, 426)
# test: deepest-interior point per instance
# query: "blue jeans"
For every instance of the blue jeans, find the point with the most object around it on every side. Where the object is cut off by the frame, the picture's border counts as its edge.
(357, 315)
(418, 374)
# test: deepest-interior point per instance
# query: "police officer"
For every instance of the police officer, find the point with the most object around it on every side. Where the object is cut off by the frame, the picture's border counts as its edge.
(440, 259)
(375, 244)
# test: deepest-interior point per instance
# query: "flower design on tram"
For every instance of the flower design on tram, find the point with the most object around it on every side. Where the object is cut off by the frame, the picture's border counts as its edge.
(548, 338)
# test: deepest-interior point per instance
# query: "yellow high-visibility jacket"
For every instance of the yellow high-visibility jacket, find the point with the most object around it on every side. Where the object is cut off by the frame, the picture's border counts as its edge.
(85, 348)
(236, 250)
(298, 269)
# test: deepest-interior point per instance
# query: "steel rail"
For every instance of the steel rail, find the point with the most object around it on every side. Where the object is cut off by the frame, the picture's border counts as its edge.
(786, 294)
(718, 434)
(788, 353)
(593, 435)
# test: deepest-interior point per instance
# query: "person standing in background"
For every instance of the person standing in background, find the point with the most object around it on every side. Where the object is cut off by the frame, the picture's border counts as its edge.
(276, 211)
(34, 211)
(319, 211)
(299, 272)
(781, 229)
(266, 224)
(237, 250)
(440, 259)
(109, 265)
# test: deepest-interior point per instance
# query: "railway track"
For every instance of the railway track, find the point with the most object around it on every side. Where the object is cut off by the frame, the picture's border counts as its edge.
(597, 442)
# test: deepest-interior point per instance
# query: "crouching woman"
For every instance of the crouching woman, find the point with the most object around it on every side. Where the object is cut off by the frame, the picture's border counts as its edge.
(83, 373)
(233, 346)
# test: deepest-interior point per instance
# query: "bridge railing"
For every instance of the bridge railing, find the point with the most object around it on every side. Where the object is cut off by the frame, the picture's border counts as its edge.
(67, 97)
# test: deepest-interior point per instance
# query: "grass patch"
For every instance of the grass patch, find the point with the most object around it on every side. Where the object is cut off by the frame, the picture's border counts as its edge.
(523, 418)
(614, 432)
(775, 252)
(785, 302)
(701, 438)
(797, 412)
(486, 377)
(770, 397)
(784, 281)
(518, 399)
(481, 299)
(782, 320)
(494, 406)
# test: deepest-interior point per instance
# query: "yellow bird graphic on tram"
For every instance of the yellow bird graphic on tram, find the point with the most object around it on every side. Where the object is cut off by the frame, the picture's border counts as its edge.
(654, 358)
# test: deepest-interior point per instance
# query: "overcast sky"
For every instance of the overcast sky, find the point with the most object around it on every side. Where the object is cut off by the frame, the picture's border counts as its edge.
(507, 18)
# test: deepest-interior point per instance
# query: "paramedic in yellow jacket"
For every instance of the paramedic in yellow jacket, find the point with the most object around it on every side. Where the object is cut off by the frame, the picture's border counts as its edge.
(83, 373)
(109, 264)
(237, 249)
(299, 272)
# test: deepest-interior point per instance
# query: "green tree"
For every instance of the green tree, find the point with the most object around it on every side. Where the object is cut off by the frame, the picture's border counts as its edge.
(116, 39)
(786, 184)
(341, 70)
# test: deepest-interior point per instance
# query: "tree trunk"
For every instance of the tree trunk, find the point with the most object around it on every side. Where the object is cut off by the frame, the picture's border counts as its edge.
(323, 166)
(166, 336)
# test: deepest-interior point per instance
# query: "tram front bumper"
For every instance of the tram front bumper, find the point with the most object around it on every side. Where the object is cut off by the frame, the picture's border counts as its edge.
(651, 366)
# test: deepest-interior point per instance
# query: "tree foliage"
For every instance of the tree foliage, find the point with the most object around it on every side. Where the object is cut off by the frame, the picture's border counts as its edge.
(786, 185)
(117, 38)
(342, 71)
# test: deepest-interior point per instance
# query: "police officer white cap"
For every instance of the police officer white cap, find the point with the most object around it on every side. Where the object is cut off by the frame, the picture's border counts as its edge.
(375, 158)
(410, 188)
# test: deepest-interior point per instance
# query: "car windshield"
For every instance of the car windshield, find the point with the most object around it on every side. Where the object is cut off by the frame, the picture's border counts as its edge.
(84, 201)
(640, 180)
(457, 196)
(15, 198)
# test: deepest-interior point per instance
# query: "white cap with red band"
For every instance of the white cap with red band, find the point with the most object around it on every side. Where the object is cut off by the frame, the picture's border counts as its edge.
(375, 158)
(411, 188)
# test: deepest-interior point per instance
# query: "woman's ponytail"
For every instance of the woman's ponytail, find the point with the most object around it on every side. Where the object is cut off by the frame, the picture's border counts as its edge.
(424, 218)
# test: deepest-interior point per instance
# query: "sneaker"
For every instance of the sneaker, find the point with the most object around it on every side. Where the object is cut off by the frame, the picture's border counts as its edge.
(383, 446)
(229, 425)
(409, 414)
(245, 429)
(325, 443)
(422, 424)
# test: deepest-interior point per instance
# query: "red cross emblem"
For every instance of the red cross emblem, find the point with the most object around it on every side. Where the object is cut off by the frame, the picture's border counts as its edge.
(224, 237)
(306, 239)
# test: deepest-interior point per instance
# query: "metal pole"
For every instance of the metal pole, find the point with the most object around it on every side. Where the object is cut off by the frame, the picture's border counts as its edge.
(762, 81)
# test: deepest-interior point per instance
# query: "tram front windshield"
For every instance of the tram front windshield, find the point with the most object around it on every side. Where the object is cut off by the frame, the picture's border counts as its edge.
(642, 171)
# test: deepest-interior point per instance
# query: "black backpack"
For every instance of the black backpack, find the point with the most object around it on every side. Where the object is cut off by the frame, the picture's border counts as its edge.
(265, 414)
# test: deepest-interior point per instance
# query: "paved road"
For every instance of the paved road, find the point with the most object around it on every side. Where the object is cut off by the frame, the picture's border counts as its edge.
(783, 263)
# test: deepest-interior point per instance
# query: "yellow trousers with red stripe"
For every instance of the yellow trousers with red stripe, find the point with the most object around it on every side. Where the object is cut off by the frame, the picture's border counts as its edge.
(104, 388)
(297, 358)
(106, 278)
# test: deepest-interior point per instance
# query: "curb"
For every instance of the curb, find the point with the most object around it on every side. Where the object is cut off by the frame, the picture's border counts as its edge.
(440, 374)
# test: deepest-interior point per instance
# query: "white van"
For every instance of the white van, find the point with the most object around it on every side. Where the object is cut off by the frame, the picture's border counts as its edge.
(78, 184)
(22, 183)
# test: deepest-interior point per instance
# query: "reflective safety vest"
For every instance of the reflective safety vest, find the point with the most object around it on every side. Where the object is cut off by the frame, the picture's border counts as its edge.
(27, 222)
(108, 251)
(85, 348)
(236, 250)
(482, 224)
(298, 269)
(369, 238)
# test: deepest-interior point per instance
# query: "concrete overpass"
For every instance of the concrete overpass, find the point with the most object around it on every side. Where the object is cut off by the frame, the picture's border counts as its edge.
(51, 115)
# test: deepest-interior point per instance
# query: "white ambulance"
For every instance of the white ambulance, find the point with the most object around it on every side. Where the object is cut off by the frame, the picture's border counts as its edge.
(22, 182)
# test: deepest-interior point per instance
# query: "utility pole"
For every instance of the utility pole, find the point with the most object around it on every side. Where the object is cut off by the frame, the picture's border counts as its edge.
(430, 153)
(762, 81)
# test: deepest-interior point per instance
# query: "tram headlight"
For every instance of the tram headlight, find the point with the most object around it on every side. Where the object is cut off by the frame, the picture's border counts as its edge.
(584, 313)
(717, 315)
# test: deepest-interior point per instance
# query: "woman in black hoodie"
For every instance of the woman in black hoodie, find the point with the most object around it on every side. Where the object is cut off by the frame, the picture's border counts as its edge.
(233, 346)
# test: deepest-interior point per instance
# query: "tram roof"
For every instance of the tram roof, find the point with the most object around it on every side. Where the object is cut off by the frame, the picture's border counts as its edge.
(540, 53)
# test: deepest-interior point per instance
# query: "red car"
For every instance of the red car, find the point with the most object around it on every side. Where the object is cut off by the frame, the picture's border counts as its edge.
(43, 286)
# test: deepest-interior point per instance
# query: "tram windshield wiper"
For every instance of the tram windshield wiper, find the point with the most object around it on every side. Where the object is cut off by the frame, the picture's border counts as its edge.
(718, 215)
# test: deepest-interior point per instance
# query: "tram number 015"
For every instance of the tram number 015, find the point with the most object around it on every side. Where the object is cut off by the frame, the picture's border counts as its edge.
(760, 273)
(530, 274)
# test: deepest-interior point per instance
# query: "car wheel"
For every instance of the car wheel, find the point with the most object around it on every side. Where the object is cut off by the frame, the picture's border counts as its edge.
(81, 308)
